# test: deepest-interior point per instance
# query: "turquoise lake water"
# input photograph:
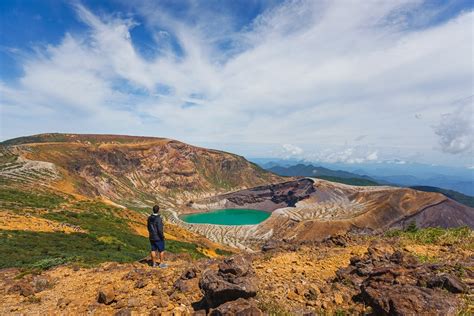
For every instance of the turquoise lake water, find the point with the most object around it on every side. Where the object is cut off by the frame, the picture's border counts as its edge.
(229, 216)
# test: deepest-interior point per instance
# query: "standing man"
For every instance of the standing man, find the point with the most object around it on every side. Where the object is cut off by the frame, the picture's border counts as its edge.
(156, 236)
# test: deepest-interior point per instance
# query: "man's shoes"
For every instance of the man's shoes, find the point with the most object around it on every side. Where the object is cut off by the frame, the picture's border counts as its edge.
(163, 265)
(154, 265)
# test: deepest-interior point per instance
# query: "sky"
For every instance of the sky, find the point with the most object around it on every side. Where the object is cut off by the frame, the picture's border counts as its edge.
(333, 81)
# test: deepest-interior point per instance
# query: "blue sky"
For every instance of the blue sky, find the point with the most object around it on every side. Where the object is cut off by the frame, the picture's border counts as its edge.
(334, 81)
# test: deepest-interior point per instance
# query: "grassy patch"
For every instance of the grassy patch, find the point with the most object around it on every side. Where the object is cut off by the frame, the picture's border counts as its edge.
(222, 252)
(426, 258)
(437, 236)
(43, 250)
(15, 199)
(109, 238)
(176, 246)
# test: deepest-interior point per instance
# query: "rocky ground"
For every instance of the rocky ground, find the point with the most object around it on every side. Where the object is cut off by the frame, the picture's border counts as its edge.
(342, 275)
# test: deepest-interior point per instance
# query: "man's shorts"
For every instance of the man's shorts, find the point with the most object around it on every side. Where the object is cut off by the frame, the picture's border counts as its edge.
(157, 245)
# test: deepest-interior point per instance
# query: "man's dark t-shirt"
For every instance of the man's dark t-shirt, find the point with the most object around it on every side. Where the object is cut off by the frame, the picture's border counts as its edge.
(155, 227)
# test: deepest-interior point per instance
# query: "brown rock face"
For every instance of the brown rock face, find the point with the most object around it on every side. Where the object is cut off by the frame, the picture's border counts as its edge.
(133, 168)
(395, 283)
(188, 280)
(389, 299)
(268, 197)
(449, 282)
(239, 307)
(235, 279)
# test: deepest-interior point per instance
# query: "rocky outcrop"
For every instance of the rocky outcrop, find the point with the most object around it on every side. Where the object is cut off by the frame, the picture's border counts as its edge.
(239, 307)
(235, 279)
(395, 283)
(188, 280)
(31, 285)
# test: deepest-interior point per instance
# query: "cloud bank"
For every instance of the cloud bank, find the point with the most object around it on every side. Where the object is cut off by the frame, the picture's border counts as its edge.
(314, 74)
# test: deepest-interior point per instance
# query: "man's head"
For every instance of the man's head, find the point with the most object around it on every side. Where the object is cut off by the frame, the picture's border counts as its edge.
(156, 209)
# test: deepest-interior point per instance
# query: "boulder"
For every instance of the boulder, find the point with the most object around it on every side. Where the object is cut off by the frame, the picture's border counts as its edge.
(184, 285)
(394, 282)
(187, 281)
(270, 245)
(124, 312)
(106, 295)
(448, 282)
(235, 279)
(239, 307)
(190, 273)
(141, 283)
(63, 302)
(234, 266)
(161, 302)
(22, 288)
(389, 299)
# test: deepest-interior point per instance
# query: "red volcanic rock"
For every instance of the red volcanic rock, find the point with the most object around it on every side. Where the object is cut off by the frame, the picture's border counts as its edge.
(239, 307)
(235, 279)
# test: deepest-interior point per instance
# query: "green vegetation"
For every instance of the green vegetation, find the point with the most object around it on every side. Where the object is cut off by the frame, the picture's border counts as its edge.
(17, 199)
(350, 181)
(42, 250)
(426, 258)
(439, 236)
(108, 238)
(175, 246)
(459, 197)
(222, 252)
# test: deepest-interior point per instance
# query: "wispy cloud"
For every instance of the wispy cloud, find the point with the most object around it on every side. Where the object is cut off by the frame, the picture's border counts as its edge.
(303, 72)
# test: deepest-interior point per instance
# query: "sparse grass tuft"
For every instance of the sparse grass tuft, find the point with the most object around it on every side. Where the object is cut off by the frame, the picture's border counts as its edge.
(272, 308)
(437, 236)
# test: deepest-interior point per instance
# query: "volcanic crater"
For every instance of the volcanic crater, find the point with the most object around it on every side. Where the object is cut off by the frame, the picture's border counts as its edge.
(313, 209)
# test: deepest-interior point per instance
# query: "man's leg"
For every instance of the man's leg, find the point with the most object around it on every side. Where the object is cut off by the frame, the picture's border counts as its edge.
(162, 256)
(153, 257)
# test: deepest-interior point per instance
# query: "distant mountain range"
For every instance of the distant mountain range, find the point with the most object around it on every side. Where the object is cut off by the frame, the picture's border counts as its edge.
(364, 180)
(324, 173)
(392, 173)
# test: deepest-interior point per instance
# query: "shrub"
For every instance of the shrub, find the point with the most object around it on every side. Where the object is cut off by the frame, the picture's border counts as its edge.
(435, 235)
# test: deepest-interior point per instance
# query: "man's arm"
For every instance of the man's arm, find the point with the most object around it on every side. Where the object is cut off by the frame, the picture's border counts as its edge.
(159, 226)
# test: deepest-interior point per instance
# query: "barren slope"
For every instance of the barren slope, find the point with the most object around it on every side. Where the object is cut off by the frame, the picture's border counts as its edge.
(135, 171)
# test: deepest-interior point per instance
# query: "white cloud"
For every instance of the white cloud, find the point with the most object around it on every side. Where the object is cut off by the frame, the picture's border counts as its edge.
(372, 156)
(351, 155)
(292, 150)
(305, 72)
(456, 129)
